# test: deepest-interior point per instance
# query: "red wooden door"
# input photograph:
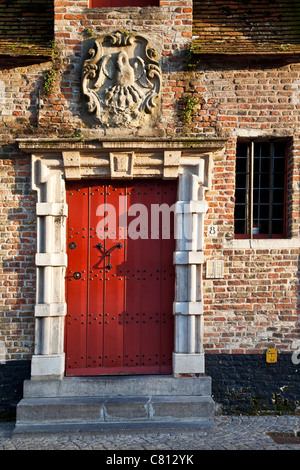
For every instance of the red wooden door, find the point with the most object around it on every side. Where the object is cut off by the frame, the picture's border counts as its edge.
(120, 278)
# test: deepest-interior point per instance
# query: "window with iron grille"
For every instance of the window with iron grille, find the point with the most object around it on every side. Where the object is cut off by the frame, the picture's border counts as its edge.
(260, 189)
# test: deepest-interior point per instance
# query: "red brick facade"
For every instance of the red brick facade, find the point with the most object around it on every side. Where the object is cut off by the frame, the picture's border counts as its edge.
(256, 304)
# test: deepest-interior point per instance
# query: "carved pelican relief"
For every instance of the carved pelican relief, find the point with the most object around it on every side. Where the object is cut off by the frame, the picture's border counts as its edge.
(120, 87)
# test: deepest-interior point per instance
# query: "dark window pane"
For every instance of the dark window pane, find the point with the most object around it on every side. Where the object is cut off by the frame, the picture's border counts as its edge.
(240, 211)
(256, 196)
(241, 181)
(279, 149)
(240, 227)
(264, 195)
(277, 227)
(242, 149)
(240, 196)
(265, 165)
(260, 196)
(279, 165)
(257, 165)
(264, 180)
(257, 149)
(256, 180)
(278, 210)
(278, 180)
(264, 227)
(261, 149)
(278, 196)
(264, 211)
(241, 165)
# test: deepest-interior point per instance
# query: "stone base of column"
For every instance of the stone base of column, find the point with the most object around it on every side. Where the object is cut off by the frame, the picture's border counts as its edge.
(48, 366)
(188, 363)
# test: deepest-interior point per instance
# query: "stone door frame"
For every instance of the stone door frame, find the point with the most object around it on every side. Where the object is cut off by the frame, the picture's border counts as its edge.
(54, 162)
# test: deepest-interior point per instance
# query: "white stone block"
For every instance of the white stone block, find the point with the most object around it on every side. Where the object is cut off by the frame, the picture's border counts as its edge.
(187, 308)
(51, 208)
(71, 165)
(188, 257)
(190, 207)
(48, 365)
(51, 259)
(50, 310)
(172, 157)
(188, 363)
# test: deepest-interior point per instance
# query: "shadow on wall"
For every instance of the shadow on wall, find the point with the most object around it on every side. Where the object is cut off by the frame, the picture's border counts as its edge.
(12, 376)
(247, 384)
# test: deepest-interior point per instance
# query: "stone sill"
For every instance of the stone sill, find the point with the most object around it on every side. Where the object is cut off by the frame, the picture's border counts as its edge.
(263, 244)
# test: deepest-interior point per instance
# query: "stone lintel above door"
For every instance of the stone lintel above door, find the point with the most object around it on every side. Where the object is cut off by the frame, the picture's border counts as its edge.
(147, 158)
(54, 162)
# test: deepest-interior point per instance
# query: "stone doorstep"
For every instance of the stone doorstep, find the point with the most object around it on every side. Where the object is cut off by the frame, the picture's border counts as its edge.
(105, 428)
(44, 411)
(118, 386)
(116, 404)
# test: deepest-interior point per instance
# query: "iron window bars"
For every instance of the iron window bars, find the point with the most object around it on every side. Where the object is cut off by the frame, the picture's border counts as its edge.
(260, 189)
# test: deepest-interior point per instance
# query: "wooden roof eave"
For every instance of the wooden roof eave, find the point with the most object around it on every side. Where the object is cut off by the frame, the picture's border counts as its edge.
(32, 53)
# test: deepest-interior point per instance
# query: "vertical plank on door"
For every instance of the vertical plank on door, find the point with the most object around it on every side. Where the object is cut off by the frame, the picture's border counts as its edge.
(132, 314)
(114, 283)
(77, 288)
(96, 277)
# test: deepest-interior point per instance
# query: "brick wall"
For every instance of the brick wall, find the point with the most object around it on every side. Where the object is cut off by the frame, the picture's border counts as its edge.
(19, 99)
(169, 27)
(17, 273)
(254, 305)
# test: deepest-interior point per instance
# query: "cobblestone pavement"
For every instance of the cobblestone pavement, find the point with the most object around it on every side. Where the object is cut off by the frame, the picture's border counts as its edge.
(231, 433)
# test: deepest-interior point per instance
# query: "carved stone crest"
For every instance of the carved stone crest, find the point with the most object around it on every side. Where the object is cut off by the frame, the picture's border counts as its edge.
(121, 81)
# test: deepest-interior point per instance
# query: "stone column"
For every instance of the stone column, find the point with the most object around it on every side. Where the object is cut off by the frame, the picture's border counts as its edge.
(51, 261)
(188, 356)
